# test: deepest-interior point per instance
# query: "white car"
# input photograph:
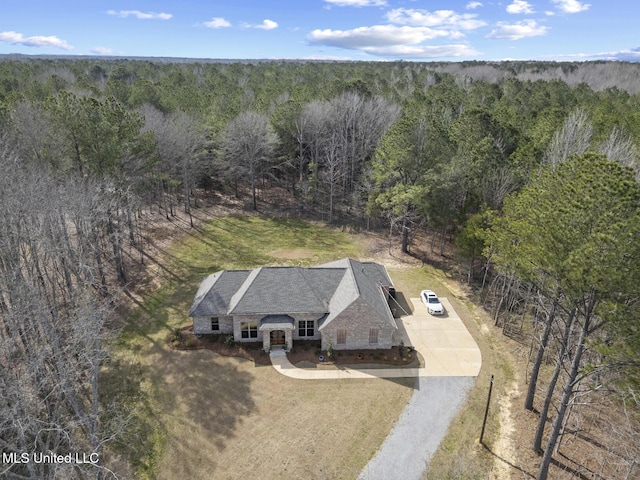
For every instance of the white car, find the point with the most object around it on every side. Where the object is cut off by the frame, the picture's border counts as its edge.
(432, 302)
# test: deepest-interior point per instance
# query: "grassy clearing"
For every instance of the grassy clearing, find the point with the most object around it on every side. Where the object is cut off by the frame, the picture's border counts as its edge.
(198, 415)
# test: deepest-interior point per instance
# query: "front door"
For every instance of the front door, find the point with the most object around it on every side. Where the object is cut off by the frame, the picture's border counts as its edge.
(277, 337)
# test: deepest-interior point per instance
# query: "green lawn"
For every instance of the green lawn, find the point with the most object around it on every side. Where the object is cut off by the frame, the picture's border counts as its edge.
(229, 243)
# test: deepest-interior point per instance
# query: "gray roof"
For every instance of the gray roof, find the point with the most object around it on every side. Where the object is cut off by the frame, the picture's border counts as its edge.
(276, 322)
(272, 290)
(362, 280)
(325, 289)
(215, 293)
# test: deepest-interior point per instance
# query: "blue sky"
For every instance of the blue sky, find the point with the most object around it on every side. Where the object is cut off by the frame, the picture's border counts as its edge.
(326, 29)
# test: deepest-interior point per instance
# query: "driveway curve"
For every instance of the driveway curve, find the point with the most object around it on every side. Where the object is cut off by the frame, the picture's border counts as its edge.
(452, 363)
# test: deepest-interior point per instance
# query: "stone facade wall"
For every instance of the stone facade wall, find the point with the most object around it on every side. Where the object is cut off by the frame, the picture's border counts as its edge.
(237, 334)
(357, 319)
(203, 325)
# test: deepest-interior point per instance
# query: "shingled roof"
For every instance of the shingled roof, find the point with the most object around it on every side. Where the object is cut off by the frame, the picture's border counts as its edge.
(361, 280)
(272, 290)
(328, 288)
(215, 293)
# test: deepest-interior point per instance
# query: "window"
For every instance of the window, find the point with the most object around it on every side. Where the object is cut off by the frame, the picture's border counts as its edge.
(373, 335)
(249, 329)
(341, 336)
(305, 328)
(215, 324)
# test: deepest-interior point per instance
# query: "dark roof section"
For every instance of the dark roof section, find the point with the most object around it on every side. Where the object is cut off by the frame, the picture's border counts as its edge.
(325, 289)
(273, 290)
(364, 280)
(212, 301)
(324, 281)
(276, 322)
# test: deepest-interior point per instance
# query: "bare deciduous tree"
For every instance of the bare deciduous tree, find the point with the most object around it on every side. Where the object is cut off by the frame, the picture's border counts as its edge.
(349, 126)
(52, 321)
(247, 146)
(573, 138)
(619, 147)
(180, 145)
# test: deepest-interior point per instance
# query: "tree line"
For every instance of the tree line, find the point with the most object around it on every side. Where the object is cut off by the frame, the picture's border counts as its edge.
(535, 179)
(570, 240)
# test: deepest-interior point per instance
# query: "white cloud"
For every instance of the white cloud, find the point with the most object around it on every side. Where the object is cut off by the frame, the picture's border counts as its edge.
(422, 51)
(102, 51)
(36, 41)
(549, 13)
(517, 31)
(217, 22)
(519, 6)
(390, 41)
(140, 15)
(377, 36)
(571, 6)
(631, 55)
(357, 3)
(473, 5)
(267, 25)
(439, 18)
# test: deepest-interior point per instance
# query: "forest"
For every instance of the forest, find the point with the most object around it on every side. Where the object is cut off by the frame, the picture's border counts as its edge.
(530, 168)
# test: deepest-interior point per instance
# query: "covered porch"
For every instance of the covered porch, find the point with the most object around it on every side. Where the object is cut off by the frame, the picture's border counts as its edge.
(277, 332)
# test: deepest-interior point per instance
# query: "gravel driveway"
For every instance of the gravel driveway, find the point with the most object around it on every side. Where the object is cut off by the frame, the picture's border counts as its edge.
(453, 361)
(449, 350)
(423, 424)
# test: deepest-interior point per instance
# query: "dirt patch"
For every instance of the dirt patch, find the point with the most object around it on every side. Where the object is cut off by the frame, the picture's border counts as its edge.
(310, 356)
(424, 250)
(504, 446)
(292, 254)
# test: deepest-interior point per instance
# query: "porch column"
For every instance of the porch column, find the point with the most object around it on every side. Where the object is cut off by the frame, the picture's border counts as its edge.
(288, 337)
(266, 341)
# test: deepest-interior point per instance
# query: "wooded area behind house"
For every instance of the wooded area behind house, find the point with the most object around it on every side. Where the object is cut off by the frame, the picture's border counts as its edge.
(531, 167)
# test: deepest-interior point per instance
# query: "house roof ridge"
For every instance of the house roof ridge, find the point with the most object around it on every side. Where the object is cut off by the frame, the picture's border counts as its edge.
(244, 288)
(314, 290)
(204, 289)
(362, 276)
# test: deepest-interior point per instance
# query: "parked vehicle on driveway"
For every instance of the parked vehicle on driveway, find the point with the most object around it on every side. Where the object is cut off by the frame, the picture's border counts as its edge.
(432, 302)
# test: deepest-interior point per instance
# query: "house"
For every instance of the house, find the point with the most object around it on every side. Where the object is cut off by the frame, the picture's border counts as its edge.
(342, 303)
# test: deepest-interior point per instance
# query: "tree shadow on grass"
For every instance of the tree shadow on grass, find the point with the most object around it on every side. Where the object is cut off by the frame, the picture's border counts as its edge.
(129, 408)
(183, 407)
(525, 474)
(207, 396)
(576, 472)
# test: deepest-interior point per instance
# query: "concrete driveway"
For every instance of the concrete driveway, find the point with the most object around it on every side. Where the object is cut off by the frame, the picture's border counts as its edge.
(448, 348)
(444, 342)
